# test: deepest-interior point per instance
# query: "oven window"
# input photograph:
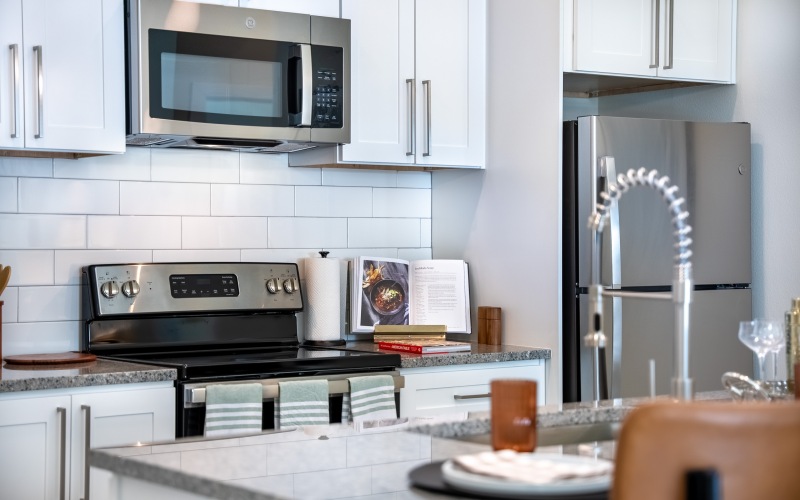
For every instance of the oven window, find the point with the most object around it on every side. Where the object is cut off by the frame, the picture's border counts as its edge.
(221, 79)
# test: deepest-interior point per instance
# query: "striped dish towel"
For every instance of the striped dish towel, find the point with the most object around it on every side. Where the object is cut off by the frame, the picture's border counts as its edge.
(370, 398)
(302, 402)
(233, 409)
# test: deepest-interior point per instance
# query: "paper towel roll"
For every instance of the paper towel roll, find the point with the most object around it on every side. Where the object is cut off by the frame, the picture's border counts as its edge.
(322, 293)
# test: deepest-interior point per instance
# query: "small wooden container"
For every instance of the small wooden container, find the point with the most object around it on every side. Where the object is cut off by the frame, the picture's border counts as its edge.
(489, 325)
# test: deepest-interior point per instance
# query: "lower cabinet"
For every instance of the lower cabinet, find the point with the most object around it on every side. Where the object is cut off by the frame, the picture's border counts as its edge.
(462, 388)
(44, 435)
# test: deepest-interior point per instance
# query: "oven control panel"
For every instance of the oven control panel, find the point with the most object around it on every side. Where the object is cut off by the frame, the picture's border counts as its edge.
(193, 287)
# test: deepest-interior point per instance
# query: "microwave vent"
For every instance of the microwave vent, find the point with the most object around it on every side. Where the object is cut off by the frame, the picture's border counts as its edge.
(147, 140)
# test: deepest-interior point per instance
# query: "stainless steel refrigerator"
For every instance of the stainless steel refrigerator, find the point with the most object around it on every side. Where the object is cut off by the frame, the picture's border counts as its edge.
(710, 164)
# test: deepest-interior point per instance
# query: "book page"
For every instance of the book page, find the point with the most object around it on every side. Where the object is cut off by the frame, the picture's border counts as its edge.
(440, 294)
(380, 293)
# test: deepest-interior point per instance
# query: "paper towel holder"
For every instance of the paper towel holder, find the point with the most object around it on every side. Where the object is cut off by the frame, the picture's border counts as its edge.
(323, 343)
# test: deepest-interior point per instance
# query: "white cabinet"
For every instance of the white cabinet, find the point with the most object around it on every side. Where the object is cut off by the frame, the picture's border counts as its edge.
(418, 76)
(691, 40)
(462, 388)
(328, 8)
(43, 435)
(62, 81)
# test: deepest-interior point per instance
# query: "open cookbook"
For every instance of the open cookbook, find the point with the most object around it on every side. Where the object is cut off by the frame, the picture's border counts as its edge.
(385, 291)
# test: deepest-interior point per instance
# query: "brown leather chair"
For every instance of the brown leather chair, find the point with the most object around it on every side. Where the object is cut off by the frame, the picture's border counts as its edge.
(754, 448)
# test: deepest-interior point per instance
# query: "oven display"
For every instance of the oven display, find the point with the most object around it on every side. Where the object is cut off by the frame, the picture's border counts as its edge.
(185, 286)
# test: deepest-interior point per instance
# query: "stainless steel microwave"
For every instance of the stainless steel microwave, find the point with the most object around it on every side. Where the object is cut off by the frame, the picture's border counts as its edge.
(207, 76)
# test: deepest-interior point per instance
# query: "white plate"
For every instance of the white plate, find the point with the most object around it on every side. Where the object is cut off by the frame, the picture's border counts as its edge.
(469, 482)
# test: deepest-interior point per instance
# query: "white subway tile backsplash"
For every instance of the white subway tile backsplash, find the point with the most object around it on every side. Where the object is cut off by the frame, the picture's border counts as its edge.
(197, 255)
(26, 167)
(393, 477)
(253, 201)
(134, 165)
(348, 177)
(414, 253)
(21, 231)
(68, 263)
(225, 232)
(10, 299)
(68, 196)
(401, 203)
(186, 165)
(29, 267)
(274, 169)
(133, 232)
(383, 448)
(280, 255)
(49, 303)
(41, 337)
(307, 232)
(407, 179)
(383, 232)
(426, 233)
(164, 198)
(307, 456)
(226, 463)
(355, 482)
(8, 194)
(326, 201)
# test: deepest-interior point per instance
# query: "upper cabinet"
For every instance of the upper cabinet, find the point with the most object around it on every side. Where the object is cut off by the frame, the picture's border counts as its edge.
(61, 77)
(418, 85)
(683, 40)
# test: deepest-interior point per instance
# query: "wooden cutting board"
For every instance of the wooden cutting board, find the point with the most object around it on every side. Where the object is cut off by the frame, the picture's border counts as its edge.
(55, 358)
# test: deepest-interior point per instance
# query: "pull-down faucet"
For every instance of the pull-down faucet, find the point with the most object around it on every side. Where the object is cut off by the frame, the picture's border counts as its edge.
(681, 277)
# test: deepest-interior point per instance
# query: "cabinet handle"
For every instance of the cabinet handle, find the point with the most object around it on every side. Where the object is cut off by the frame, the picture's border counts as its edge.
(86, 446)
(39, 92)
(668, 24)
(427, 85)
(411, 96)
(15, 84)
(459, 397)
(62, 453)
(655, 5)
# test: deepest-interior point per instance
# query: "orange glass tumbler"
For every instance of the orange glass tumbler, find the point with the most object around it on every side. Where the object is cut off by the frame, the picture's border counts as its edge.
(513, 414)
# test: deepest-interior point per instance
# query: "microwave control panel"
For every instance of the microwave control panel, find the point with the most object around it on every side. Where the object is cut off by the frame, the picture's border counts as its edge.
(328, 95)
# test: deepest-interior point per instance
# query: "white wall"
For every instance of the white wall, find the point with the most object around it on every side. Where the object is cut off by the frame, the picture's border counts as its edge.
(505, 221)
(180, 205)
(768, 75)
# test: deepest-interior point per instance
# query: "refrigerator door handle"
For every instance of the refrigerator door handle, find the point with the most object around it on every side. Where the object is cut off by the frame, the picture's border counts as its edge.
(608, 172)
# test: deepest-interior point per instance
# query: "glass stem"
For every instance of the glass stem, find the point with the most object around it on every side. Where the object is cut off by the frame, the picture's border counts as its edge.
(774, 365)
(762, 369)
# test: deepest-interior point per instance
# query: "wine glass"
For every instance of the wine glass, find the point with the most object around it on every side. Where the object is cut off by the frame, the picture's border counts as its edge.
(776, 340)
(761, 336)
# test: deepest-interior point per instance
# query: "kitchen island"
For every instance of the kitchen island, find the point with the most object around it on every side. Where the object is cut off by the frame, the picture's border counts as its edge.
(334, 461)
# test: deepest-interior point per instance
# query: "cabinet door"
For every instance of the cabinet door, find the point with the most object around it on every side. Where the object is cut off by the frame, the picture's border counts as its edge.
(328, 8)
(12, 119)
(451, 82)
(122, 417)
(74, 75)
(616, 36)
(702, 41)
(33, 444)
(382, 62)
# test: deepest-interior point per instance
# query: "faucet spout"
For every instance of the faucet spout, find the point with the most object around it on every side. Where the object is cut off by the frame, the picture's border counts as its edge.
(682, 282)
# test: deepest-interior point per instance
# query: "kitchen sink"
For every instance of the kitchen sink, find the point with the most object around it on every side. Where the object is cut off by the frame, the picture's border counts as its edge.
(563, 435)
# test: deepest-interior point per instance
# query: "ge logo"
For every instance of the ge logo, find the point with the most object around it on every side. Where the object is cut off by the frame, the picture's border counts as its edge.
(250, 23)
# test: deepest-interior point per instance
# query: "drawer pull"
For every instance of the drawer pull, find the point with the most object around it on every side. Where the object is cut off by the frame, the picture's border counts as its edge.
(459, 397)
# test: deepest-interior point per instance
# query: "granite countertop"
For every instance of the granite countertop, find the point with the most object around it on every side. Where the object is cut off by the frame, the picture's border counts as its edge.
(338, 460)
(16, 378)
(479, 353)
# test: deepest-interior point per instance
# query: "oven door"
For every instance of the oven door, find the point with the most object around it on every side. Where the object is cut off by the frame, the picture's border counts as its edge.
(191, 400)
(208, 71)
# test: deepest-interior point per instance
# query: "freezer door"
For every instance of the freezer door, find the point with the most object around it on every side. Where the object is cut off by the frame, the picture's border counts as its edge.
(710, 164)
(646, 331)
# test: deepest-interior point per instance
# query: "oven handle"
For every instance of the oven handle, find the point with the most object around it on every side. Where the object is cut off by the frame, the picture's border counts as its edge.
(194, 395)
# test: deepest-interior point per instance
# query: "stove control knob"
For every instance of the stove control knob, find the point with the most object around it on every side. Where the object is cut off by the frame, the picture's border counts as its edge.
(273, 285)
(290, 285)
(109, 289)
(130, 288)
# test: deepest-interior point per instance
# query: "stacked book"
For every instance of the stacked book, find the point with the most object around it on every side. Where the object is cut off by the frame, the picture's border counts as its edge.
(419, 339)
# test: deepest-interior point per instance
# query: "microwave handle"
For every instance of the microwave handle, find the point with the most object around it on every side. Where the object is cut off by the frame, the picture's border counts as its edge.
(307, 101)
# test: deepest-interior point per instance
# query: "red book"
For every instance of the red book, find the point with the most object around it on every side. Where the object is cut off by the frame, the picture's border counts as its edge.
(425, 346)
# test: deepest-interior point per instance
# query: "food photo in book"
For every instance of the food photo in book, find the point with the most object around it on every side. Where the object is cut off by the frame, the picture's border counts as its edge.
(384, 293)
